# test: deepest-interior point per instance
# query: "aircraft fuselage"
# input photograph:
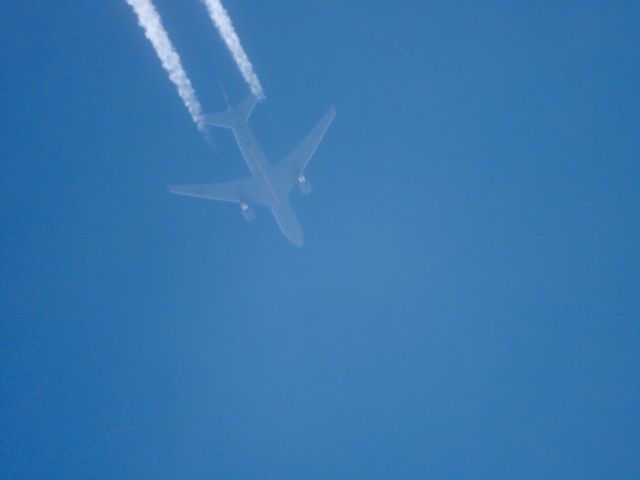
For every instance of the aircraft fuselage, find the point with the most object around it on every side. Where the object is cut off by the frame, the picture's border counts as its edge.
(261, 169)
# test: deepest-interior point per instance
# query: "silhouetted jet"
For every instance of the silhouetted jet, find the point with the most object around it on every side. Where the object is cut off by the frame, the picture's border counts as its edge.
(268, 184)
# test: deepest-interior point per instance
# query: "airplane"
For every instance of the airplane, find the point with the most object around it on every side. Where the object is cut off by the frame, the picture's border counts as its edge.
(268, 185)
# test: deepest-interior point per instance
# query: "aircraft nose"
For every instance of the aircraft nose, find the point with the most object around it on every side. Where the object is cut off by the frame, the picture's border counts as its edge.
(294, 234)
(297, 239)
(289, 226)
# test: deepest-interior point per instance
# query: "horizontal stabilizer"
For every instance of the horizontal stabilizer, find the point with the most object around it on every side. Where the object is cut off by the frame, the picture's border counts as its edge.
(220, 119)
(238, 114)
(244, 109)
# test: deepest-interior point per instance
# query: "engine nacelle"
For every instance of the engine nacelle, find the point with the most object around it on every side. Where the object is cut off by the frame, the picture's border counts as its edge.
(304, 185)
(247, 212)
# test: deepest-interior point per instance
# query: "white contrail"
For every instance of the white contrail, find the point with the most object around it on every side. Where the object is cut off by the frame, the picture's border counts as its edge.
(149, 19)
(221, 20)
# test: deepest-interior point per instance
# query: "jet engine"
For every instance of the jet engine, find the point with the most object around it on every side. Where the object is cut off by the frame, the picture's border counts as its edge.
(247, 212)
(304, 185)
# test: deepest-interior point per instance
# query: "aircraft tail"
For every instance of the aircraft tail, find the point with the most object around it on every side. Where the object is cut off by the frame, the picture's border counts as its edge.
(233, 116)
(221, 119)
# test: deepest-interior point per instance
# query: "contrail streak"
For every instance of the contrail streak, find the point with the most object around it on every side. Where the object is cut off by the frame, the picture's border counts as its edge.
(149, 19)
(221, 20)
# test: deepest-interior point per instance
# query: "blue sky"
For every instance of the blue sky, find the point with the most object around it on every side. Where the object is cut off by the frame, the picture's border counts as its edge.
(466, 304)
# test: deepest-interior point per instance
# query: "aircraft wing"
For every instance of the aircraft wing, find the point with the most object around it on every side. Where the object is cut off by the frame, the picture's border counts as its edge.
(288, 169)
(246, 190)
